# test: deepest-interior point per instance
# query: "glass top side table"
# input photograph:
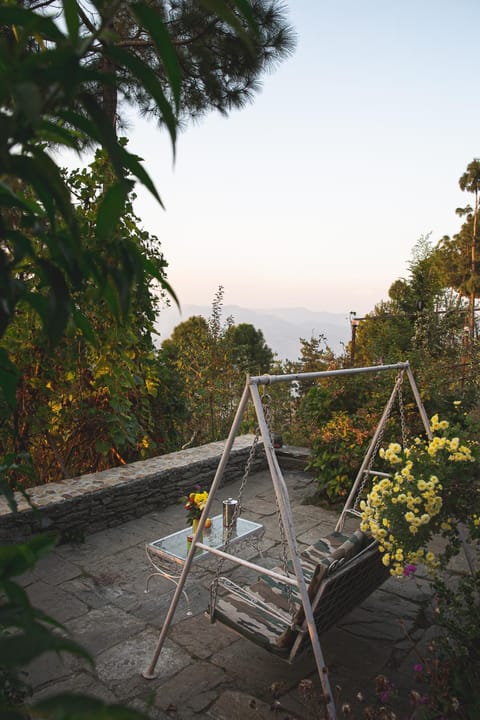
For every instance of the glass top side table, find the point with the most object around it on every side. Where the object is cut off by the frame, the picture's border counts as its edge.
(174, 547)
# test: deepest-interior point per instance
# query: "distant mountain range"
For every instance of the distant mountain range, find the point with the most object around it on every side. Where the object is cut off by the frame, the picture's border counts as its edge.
(282, 327)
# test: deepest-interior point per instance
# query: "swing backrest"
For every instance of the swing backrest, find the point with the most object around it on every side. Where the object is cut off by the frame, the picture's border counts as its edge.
(341, 570)
(354, 571)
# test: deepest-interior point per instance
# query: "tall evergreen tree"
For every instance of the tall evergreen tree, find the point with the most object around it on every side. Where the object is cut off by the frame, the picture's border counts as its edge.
(220, 62)
(458, 255)
(470, 182)
(250, 352)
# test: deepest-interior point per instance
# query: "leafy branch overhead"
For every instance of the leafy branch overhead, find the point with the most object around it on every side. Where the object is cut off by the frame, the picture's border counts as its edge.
(47, 96)
(59, 86)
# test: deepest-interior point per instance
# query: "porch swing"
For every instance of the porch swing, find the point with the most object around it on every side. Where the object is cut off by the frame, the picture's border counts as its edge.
(287, 608)
(340, 570)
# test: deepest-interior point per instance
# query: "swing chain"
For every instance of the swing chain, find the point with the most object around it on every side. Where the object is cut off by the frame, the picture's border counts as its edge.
(283, 540)
(367, 471)
(401, 406)
(229, 530)
(246, 473)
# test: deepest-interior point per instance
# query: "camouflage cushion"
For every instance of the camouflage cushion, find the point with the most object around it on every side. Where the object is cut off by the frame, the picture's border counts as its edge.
(261, 612)
(319, 560)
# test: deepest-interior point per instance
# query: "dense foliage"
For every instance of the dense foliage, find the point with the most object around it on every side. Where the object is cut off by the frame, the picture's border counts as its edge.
(90, 405)
(208, 359)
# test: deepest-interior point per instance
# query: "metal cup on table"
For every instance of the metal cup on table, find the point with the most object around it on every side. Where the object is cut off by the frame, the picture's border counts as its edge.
(229, 514)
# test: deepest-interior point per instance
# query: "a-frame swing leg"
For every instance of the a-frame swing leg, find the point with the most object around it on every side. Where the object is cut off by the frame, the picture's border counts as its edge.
(284, 506)
(149, 673)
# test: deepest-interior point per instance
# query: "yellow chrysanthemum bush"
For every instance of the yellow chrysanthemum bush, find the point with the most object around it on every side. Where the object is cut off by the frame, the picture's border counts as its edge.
(432, 485)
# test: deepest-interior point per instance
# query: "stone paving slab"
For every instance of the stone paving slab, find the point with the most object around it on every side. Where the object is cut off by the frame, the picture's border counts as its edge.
(101, 629)
(55, 601)
(52, 569)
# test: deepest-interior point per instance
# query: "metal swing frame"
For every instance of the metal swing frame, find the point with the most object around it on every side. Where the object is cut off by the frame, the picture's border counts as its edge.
(296, 578)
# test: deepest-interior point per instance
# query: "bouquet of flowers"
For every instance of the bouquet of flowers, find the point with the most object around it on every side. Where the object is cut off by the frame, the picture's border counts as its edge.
(433, 486)
(194, 504)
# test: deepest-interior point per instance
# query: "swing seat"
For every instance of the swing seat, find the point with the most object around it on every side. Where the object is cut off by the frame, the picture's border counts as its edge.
(340, 572)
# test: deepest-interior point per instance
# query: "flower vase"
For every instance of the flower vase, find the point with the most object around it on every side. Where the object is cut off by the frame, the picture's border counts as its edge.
(195, 522)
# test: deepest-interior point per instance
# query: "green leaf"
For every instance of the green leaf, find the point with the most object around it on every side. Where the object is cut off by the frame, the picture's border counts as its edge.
(221, 9)
(104, 131)
(38, 24)
(152, 269)
(102, 446)
(43, 174)
(7, 491)
(82, 123)
(152, 21)
(71, 11)
(10, 199)
(51, 174)
(8, 379)
(83, 324)
(55, 133)
(17, 559)
(111, 209)
(72, 706)
(132, 163)
(245, 8)
(20, 649)
(26, 169)
(28, 101)
(150, 82)
(54, 308)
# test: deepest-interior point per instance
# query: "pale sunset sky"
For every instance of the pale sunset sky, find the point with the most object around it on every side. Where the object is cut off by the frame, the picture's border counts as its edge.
(315, 194)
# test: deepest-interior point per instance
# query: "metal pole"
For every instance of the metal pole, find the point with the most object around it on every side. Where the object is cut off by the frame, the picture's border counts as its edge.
(281, 493)
(246, 563)
(271, 379)
(149, 673)
(418, 400)
(366, 459)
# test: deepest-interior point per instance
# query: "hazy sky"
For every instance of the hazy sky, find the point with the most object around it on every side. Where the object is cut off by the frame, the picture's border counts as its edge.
(316, 193)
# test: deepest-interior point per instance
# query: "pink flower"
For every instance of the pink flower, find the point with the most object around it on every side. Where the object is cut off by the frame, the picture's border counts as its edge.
(409, 570)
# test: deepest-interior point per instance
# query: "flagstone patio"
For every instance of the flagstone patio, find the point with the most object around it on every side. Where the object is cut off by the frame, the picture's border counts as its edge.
(97, 588)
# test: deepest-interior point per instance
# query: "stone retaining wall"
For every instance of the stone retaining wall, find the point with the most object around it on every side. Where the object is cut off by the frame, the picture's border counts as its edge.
(94, 502)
